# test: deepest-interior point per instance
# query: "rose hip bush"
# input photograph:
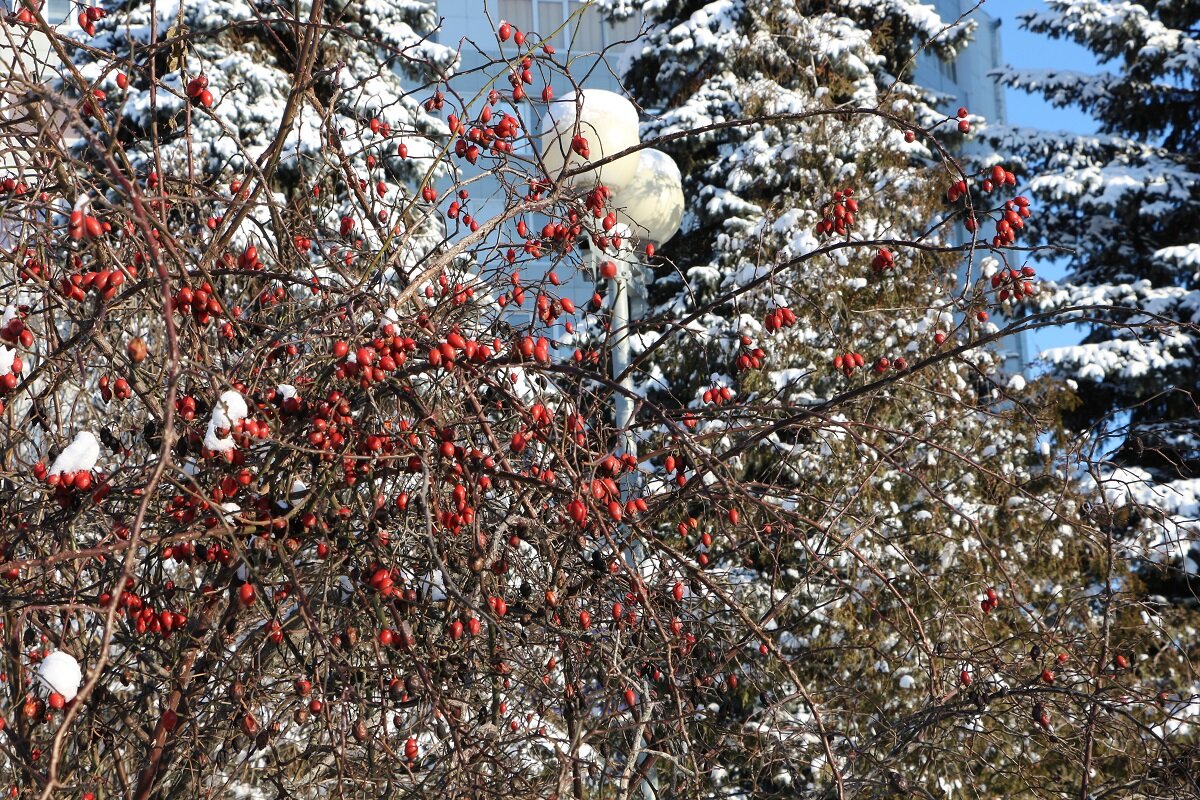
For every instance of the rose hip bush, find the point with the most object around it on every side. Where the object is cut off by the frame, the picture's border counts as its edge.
(311, 472)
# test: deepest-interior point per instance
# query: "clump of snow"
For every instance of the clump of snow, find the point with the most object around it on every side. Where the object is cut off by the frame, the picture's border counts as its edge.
(229, 410)
(79, 456)
(7, 357)
(61, 673)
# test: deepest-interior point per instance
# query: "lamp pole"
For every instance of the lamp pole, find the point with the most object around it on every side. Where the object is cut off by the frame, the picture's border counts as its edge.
(619, 289)
(649, 189)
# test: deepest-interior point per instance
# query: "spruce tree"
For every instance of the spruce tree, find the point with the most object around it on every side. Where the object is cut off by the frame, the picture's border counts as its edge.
(213, 81)
(870, 511)
(1125, 201)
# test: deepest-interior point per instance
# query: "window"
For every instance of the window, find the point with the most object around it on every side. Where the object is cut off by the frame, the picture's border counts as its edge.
(585, 31)
(54, 11)
(518, 13)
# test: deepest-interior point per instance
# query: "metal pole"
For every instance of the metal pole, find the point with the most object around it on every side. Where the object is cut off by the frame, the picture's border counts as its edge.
(621, 351)
(619, 290)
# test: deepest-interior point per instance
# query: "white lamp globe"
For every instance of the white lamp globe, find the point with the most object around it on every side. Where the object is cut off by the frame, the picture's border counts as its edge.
(607, 121)
(652, 204)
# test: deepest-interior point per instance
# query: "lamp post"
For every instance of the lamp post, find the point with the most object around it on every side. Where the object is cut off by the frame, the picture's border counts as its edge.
(650, 210)
(648, 193)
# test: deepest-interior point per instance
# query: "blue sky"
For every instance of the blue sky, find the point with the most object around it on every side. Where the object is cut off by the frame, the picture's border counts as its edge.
(1022, 49)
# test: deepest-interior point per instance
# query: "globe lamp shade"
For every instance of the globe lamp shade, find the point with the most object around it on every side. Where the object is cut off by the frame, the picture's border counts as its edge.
(652, 203)
(609, 124)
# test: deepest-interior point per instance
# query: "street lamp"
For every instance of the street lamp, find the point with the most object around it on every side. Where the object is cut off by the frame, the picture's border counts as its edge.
(648, 194)
(652, 203)
(647, 191)
(650, 209)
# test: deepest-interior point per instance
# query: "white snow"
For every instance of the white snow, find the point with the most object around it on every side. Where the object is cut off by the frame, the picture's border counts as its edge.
(79, 456)
(60, 672)
(229, 410)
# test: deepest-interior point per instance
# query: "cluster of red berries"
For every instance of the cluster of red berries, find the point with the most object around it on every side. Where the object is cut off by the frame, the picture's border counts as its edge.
(243, 431)
(536, 349)
(25, 16)
(373, 360)
(383, 580)
(990, 601)
(883, 260)
(848, 362)
(549, 309)
(9, 380)
(781, 317)
(998, 176)
(837, 216)
(13, 186)
(883, 364)
(80, 225)
(110, 389)
(16, 332)
(498, 135)
(248, 260)
(472, 626)
(379, 127)
(750, 357)
(1012, 219)
(329, 419)
(145, 619)
(520, 77)
(104, 283)
(507, 30)
(596, 200)
(964, 125)
(717, 395)
(88, 19)
(93, 102)
(199, 93)
(80, 480)
(201, 303)
(671, 464)
(185, 407)
(956, 192)
(1014, 284)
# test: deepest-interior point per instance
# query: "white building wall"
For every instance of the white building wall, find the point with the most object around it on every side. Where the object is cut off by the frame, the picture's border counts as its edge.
(967, 82)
